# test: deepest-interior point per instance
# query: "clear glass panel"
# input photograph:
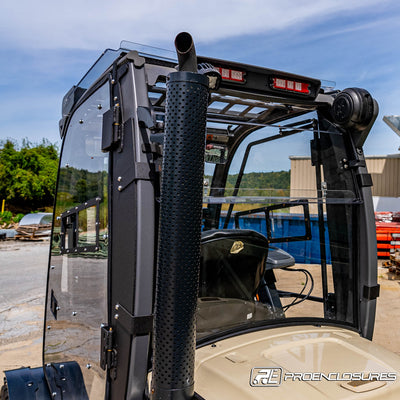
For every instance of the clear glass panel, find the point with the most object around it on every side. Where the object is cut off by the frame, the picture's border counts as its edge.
(77, 288)
(308, 225)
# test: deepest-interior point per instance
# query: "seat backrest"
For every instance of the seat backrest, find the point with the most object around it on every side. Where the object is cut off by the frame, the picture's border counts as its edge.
(232, 263)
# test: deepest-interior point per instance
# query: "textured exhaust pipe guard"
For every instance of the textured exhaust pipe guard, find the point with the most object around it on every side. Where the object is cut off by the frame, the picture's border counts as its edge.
(179, 237)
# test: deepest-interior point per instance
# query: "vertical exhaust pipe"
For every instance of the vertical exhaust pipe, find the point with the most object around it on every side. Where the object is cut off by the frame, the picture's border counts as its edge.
(178, 261)
(187, 59)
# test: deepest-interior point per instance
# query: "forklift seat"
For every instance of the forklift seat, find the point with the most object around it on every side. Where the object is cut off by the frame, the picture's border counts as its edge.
(232, 263)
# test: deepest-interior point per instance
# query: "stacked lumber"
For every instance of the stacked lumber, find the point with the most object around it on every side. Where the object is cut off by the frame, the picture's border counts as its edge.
(394, 263)
(387, 233)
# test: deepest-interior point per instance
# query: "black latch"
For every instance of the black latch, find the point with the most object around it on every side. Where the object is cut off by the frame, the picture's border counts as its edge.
(364, 180)
(135, 325)
(108, 355)
(371, 292)
(138, 171)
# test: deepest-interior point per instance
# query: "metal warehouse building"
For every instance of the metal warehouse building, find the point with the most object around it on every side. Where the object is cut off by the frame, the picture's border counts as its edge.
(385, 172)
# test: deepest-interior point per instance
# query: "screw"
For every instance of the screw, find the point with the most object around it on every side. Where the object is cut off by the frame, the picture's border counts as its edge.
(117, 307)
(88, 366)
(213, 345)
(54, 394)
(57, 308)
(116, 316)
(99, 106)
(48, 327)
(52, 267)
(74, 313)
(119, 179)
(119, 188)
(29, 384)
(81, 121)
(115, 98)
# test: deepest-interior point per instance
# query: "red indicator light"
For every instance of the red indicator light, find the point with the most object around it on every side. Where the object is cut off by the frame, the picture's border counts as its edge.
(230, 74)
(291, 86)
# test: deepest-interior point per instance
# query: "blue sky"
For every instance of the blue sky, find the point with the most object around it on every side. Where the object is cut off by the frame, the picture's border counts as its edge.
(46, 47)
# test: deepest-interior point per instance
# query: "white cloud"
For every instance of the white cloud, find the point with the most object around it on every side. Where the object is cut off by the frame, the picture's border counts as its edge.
(96, 24)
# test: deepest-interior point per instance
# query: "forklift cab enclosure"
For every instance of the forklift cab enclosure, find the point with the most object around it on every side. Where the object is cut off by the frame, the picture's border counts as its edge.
(284, 278)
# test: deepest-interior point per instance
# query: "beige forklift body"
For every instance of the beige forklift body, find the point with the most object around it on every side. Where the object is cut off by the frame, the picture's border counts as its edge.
(349, 367)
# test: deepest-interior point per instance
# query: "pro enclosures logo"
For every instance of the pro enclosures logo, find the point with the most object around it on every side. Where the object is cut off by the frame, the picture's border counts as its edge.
(261, 377)
(264, 377)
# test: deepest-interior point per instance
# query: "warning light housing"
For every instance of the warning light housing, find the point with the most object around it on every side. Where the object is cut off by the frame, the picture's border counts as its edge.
(289, 85)
(228, 74)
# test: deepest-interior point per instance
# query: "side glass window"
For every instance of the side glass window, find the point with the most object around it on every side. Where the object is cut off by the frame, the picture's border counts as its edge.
(290, 192)
(77, 285)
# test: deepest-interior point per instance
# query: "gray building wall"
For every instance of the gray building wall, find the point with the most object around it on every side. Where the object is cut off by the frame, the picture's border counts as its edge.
(384, 170)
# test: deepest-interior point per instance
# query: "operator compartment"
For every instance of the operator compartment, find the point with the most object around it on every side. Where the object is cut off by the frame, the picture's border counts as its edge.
(280, 206)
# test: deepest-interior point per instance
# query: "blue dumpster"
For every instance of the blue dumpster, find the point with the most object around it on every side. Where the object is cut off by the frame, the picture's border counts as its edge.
(286, 225)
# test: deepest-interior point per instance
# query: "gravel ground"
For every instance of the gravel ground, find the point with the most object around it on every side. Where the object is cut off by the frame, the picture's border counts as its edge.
(23, 268)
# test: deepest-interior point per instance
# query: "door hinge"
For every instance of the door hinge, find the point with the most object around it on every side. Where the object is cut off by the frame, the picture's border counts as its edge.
(108, 354)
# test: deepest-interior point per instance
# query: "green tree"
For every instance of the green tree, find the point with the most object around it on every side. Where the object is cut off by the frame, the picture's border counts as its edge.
(28, 174)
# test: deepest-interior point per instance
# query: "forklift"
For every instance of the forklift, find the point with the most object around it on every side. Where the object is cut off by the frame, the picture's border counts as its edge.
(172, 276)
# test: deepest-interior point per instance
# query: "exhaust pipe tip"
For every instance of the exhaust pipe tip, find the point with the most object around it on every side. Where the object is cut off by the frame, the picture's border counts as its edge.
(187, 59)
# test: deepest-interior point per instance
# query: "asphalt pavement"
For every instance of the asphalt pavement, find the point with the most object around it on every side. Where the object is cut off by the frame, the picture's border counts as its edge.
(23, 271)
